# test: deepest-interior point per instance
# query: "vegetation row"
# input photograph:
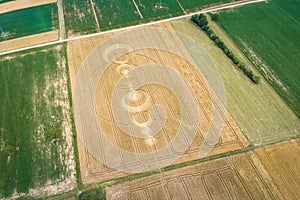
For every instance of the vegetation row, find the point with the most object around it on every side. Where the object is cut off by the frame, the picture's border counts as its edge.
(202, 22)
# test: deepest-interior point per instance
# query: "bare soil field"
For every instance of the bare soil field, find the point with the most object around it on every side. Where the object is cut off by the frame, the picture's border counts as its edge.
(91, 169)
(20, 4)
(235, 177)
(283, 164)
(29, 41)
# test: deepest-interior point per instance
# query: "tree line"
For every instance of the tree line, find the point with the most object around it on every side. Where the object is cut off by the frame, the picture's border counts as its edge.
(202, 22)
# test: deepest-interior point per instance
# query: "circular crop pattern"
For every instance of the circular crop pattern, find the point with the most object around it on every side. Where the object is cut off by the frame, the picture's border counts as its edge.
(139, 96)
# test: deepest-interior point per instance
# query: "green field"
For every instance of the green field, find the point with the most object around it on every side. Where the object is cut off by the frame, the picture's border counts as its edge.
(29, 21)
(269, 35)
(35, 103)
(150, 9)
(257, 109)
(116, 13)
(194, 5)
(79, 18)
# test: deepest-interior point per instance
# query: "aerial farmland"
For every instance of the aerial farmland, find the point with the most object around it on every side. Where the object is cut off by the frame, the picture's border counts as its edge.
(149, 99)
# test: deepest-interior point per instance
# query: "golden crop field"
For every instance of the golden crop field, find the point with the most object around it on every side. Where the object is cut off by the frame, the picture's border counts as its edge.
(92, 170)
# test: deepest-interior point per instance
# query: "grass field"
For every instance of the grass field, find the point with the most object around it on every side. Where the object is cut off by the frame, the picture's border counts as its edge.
(150, 9)
(34, 103)
(29, 21)
(192, 5)
(272, 44)
(79, 18)
(116, 13)
(257, 109)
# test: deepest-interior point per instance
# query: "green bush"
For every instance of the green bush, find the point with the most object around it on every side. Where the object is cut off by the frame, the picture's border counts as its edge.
(9, 149)
(214, 17)
(53, 133)
(200, 20)
(255, 79)
(205, 28)
(213, 37)
(222, 46)
(92, 195)
(209, 31)
(234, 59)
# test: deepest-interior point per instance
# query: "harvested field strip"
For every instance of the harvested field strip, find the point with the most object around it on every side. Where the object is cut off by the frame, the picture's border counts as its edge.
(28, 21)
(34, 105)
(273, 46)
(257, 109)
(237, 177)
(283, 164)
(29, 41)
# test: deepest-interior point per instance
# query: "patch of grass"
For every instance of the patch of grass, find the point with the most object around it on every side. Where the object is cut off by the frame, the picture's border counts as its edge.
(74, 135)
(114, 13)
(53, 133)
(29, 21)
(79, 18)
(192, 5)
(272, 44)
(257, 109)
(33, 102)
(150, 9)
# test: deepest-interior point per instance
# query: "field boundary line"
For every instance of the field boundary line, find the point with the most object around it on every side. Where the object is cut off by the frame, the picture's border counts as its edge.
(95, 15)
(137, 8)
(181, 7)
(220, 7)
(61, 19)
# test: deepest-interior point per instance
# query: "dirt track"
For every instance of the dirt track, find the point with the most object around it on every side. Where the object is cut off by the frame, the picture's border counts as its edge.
(21, 4)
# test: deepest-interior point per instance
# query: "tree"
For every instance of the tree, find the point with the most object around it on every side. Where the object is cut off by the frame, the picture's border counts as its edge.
(205, 28)
(202, 22)
(255, 79)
